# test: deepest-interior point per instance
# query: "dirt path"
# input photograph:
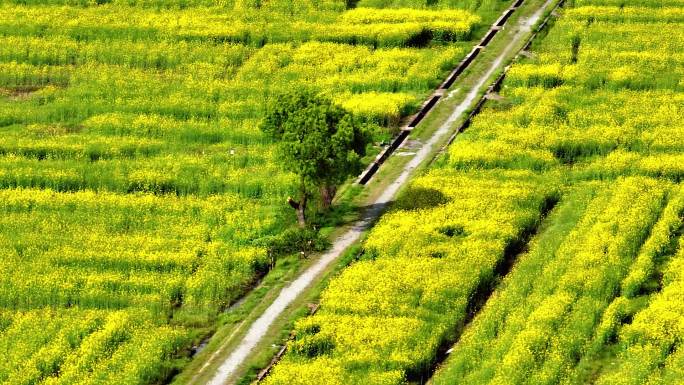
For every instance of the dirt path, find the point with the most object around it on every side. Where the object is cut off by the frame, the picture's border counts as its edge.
(288, 294)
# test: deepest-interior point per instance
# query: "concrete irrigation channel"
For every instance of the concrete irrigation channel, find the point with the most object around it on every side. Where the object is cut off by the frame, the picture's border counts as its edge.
(229, 368)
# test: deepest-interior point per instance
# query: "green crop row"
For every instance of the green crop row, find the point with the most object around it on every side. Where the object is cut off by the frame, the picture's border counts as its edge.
(99, 347)
(256, 27)
(537, 331)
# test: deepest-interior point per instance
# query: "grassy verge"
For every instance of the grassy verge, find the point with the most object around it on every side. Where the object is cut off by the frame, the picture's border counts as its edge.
(232, 323)
(280, 332)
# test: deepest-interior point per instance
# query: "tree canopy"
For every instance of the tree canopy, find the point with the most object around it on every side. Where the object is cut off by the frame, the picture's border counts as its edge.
(318, 141)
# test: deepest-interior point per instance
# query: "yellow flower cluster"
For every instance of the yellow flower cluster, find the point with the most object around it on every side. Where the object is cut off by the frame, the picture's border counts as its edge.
(386, 108)
(631, 14)
(442, 24)
(656, 246)
(17, 75)
(76, 345)
(373, 15)
(110, 251)
(159, 54)
(653, 341)
(253, 26)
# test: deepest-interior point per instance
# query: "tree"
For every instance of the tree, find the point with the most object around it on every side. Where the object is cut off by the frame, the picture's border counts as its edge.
(318, 141)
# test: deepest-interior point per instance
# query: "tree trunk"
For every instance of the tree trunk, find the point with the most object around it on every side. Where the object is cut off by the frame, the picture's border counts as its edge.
(293, 203)
(327, 195)
(301, 211)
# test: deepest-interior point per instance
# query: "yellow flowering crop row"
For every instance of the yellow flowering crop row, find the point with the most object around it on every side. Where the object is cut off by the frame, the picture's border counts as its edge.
(552, 319)
(128, 257)
(250, 26)
(659, 243)
(76, 345)
(371, 15)
(633, 14)
(652, 343)
(622, 3)
(549, 130)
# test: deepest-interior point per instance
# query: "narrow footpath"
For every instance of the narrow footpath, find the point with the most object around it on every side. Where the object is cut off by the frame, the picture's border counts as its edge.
(260, 327)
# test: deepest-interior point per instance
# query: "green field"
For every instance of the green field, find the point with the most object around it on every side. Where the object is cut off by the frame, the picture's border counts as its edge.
(138, 196)
(136, 189)
(546, 246)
